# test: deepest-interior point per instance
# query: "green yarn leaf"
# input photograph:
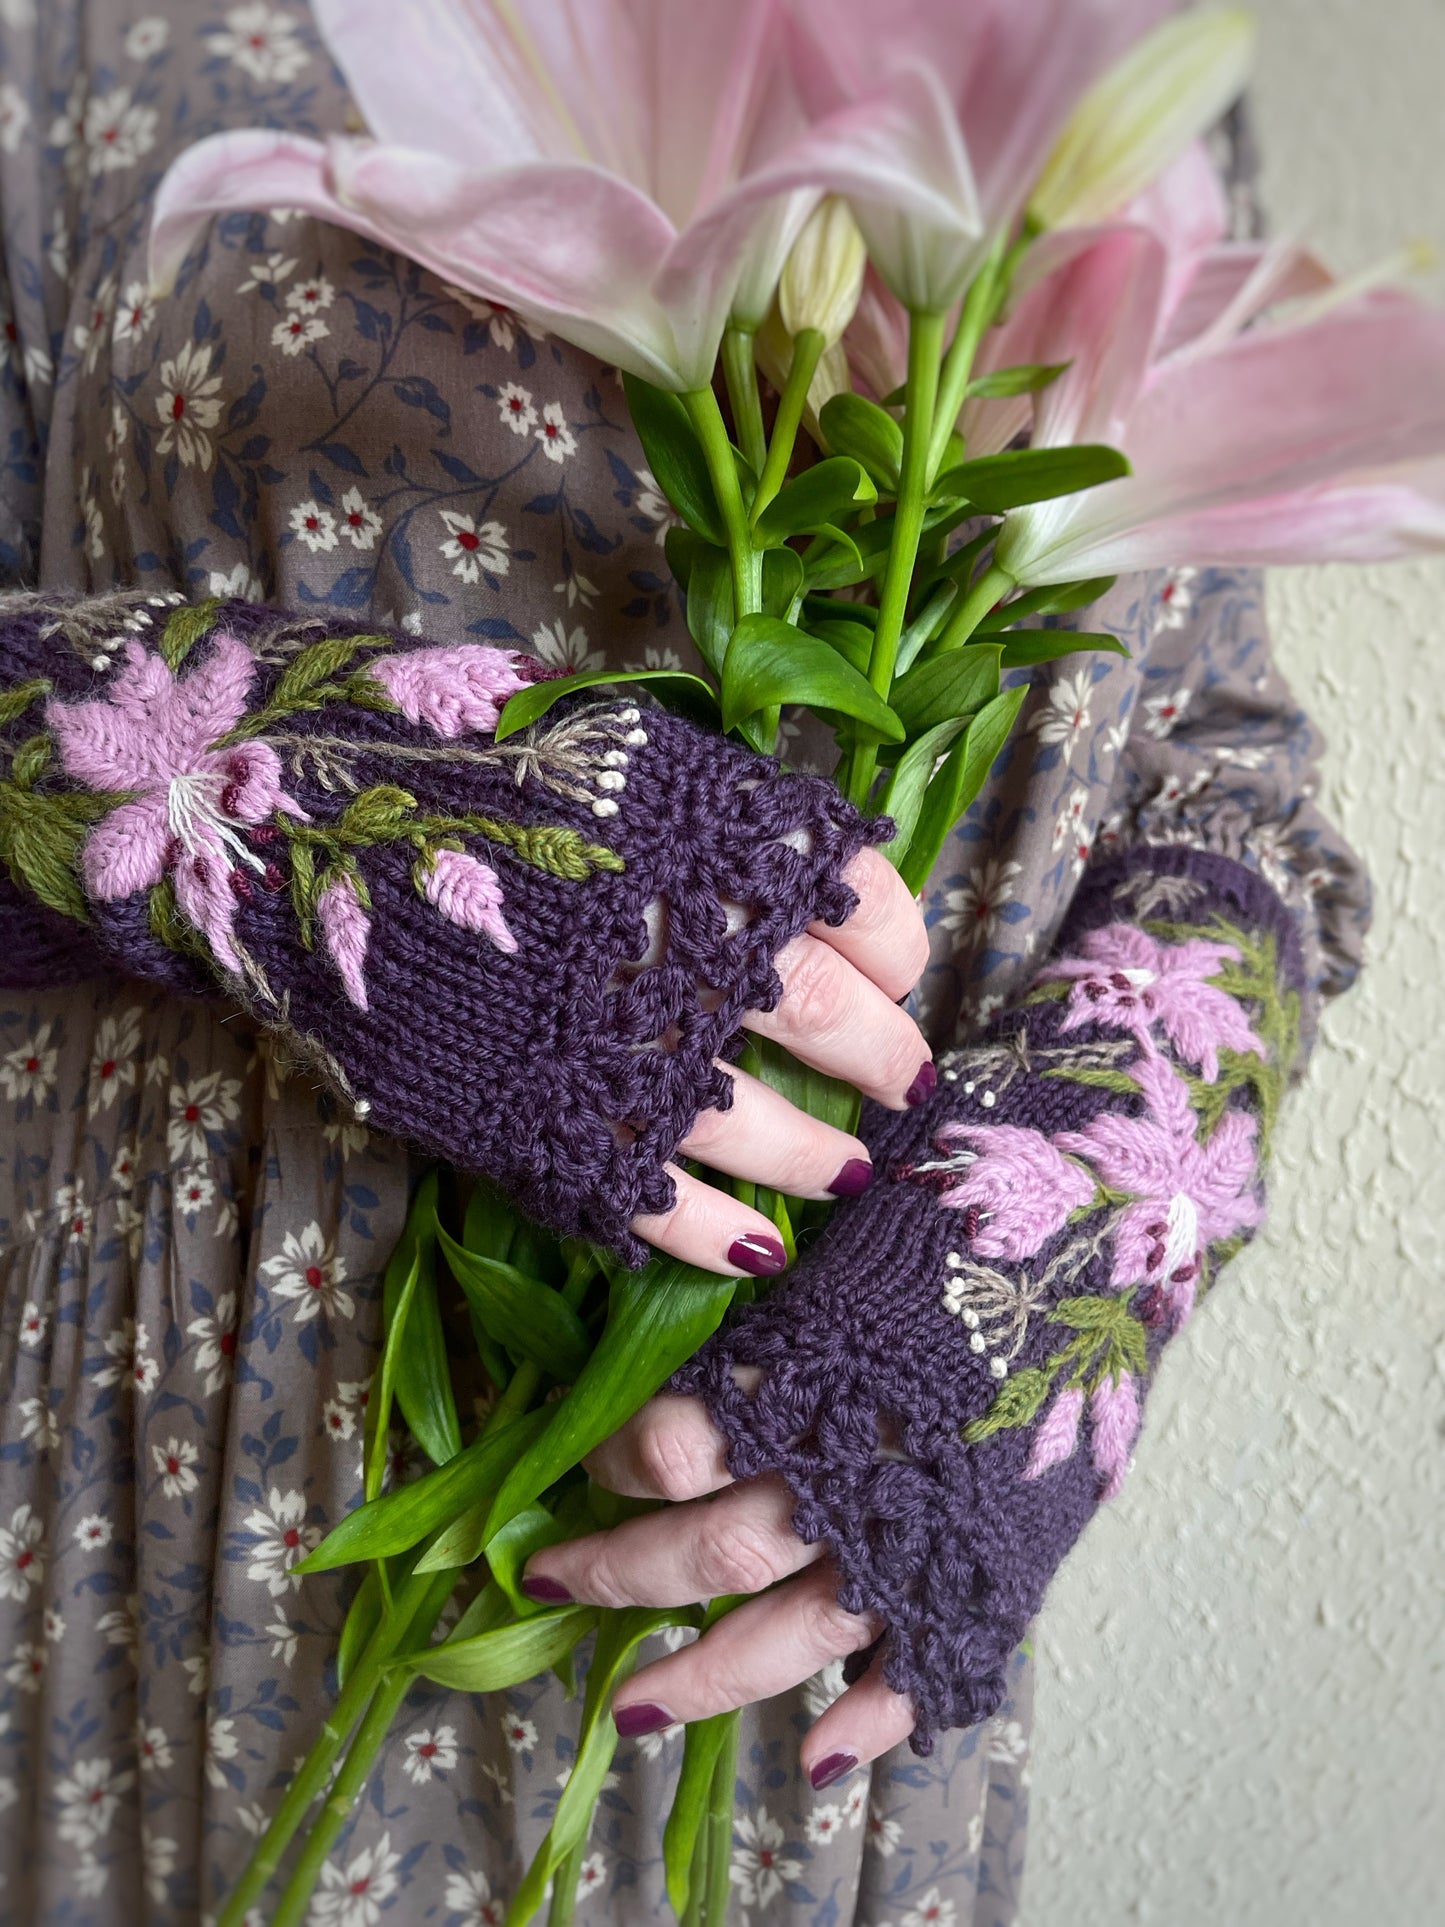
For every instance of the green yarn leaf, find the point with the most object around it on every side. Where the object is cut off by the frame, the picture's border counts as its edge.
(185, 627)
(169, 927)
(1019, 1400)
(41, 838)
(14, 702)
(30, 762)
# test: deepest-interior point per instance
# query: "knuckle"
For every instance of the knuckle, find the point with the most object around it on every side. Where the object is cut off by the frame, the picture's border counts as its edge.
(741, 1559)
(829, 1629)
(670, 1463)
(603, 1584)
(813, 990)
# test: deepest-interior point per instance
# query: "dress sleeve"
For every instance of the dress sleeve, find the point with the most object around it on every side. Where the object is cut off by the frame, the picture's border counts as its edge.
(524, 956)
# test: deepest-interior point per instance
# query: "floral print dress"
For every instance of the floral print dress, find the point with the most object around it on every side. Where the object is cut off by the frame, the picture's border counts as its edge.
(191, 1242)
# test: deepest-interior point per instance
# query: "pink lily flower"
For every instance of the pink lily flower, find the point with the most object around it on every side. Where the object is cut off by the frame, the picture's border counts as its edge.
(1123, 980)
(1186, 1195)
(1012, 1186)
(1294, 441)
(151, 733)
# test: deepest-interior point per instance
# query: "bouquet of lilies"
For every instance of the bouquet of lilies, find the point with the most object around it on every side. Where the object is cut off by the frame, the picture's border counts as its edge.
(981, 257)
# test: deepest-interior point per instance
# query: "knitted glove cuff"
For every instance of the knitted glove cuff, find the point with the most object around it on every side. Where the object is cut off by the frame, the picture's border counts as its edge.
(524, 956)
(952, 1379)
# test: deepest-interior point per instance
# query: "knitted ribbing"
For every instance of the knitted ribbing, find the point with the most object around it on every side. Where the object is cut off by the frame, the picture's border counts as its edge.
(517, 956)
(952, 1378)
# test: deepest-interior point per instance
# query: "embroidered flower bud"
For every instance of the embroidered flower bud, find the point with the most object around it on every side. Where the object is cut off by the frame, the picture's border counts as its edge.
(1114, 1420)
(1057, 1436)
(468, 894)
(823, 276)
(346, 929)
(450, 690)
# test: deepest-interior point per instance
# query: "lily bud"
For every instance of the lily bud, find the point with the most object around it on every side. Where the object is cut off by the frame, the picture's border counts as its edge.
(774, 348)
(1143, 113)
(823, 275)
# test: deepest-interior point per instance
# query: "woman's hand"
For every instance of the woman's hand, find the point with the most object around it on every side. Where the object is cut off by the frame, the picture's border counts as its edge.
(839, 1012)
(718, 1537)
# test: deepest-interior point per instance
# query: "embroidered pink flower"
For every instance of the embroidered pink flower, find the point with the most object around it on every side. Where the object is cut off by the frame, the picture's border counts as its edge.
(346, 929)
(1186, 1194)
(1058, 1435)
(451, 690)
(152, 733)
(1113, 1426)
(1013, 1187)
(1125, 981)
(468, 894)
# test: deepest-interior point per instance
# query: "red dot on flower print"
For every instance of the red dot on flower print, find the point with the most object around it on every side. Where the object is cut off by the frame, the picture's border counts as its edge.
(313, 522)
(765, 1856)
(178, 407)
(107, 1069)
(514, 402)
(467, 540)
(550, 431)
(173, 1464)
(32, 1064)
(226, 1344)
(26, 1558)
(362, 1885)
(354, 519)
(427, 1750)
(314, 1277)
(192, 1113)
(291, 1537)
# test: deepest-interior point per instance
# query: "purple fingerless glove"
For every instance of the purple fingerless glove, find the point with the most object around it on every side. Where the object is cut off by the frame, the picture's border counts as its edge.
(953, 1377)
(524, 956)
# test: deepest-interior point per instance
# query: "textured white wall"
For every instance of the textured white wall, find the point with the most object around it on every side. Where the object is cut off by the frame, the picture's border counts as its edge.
(1242, 1679)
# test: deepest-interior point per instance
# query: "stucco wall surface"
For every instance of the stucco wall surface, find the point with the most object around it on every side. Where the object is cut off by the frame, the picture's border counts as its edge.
(1242, 1678)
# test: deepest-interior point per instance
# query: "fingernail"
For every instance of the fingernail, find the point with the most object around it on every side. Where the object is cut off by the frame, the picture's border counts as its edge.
(826, 1772)
(922, 1087)
(551, 1592)
(763, 1257)
(853, 1180)
(644, 1717)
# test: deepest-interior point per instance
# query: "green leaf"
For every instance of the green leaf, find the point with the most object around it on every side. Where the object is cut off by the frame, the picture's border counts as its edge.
(997, 483)
(1026, 378)
(378, 1406)
(1054, 599)
(362, 1619)
(184, 628)
(958, 783)
(771, 662)
(490, 1662)
(782, 580)
(861, 429)
(509, 1550)
(925, 626)
(1025, 647)
(1019, 1400)
(701, 1747)
(16, 700)
(810, 1091)
(399, 1520)
(822, 608)
(834, 554)
(903, 798)
(522, 1314)
(823, 493)
(710, 606)
(423, 1376)
(656, 1319)
(682, 549)
(957, 684)
(490, 1223)
(852, 640)
(687, 692)
(675, 456)
(41, 839)
(1092, 1314)
(30, 761)
(316, 665)
(1098, 1080)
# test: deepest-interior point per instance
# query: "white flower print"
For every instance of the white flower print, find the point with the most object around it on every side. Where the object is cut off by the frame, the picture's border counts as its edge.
(883, 1833)
(117, 132)
(158, 1856)
(1176, 600)
(147, 37)
(205, 1104)
(429, 1752)
(187, 405)
(1005, 1742)
(261, 41)
(514, 405)
(352, 1896)
(557, 439)
(89, 1798)
(311, 297)
(470, 1895)
(822, 1826)
(94, 1532)
(198, 1670)
(973, 910)
(759, 1867)
(561, 649)
(652, 506)
(120, 1626)
(241, 585)
(94, 543)
(130, 1364)
(652, 1745)
(134, 313)
(39, 368)
(1074, 829)
(27, 1667)
(216, 1342)
(29, 1069)
(591, 1875)
(32, 1325)
(14, 117)
(284, 1641)
(1162, 713)
(577, 589)
(934, 1910)
(658, 656)
(975, 1834)
(153, 1748)
(471, 550)
(57, 248)
(90, 1877)
(87, 337)
(73, 1215)
(338, 1421)
(195, 1189)
(315, 526)
(298, 331)
(221, 1744)
(347, 1134)
(113, 1059)
(1065, 716)
(311, 1271)
(283, 1540)
(519, 1734)
(269, 273)
(53, 1625)
(254, 1819)
(1115, 737)
(823, 1688)
(360, 523)
(67, 130)
(175, 1461)
(39, 1422)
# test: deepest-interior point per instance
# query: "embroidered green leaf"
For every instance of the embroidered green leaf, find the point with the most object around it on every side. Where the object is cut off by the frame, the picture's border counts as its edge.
(1049, 993)
(31, 760)
(169, 927)
(14, 702)
(305, 890)
(365, 691)
(316, 665)
(546, 846)
(185, 627)
(1102, 1080)
(377, 815)
(1019, 1400)
(41, 839)
(1091, 1314)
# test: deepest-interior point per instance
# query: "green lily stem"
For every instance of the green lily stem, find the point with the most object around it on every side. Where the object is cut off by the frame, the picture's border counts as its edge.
(564, 1887)
(808, 348)
(719, 1824)
(711, 429)
(925, 345)
(981, 306)
(740, 372)
(992, 586)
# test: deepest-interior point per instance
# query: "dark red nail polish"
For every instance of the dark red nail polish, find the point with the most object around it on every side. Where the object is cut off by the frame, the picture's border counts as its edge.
(922, 1087)
(762, 1257)
(853, 1180)
(632, 1721)
(550, 1592)
(826, 1772)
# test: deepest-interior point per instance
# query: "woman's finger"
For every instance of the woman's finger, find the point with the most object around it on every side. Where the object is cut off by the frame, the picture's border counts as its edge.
(669, 1450)
(740, 1541)
(767, 1139)
(886, 937)
(762, 1648)
(862, 1724)
(708, 1227)
(838, 1020)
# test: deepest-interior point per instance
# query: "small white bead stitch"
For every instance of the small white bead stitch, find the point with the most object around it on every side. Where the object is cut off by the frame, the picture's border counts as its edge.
(636, 737)
(968, 1088)
(604, 806)
(990, 1098)
(611, 779)
(999, 1367)
(100, 662)
(955, 1259)
(970, 1318)
(978, 1343)
(617, 759)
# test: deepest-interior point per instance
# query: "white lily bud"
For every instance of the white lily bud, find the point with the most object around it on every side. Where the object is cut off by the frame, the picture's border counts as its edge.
(823, 275)
(1143, 113)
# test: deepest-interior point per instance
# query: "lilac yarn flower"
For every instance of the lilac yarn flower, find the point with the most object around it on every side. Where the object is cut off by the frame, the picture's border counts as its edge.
(467, 893)
(1114, 1415)
(1057, 1435)
(452, 690)
(1015, 1190)
(346, 928)
(1124, 980)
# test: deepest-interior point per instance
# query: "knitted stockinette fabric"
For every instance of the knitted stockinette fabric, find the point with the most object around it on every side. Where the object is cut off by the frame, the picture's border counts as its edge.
(522, 956)
(952, 1379)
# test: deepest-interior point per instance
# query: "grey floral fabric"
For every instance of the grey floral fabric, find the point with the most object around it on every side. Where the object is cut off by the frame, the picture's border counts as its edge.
(190, 1243)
